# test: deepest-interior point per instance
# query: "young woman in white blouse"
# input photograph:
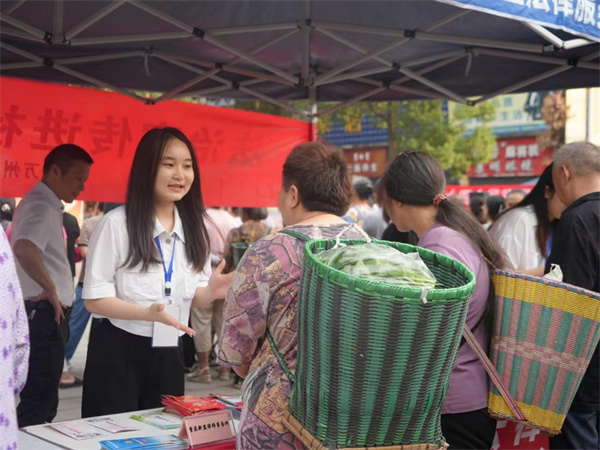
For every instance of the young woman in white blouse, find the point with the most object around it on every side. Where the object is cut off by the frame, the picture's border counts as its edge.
(525, 231)
(148, 264)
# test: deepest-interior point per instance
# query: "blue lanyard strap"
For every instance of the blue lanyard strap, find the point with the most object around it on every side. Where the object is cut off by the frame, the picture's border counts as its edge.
(168, 273)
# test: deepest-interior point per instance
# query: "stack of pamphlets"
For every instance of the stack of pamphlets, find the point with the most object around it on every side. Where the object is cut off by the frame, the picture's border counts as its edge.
(147, 443)
(188, 405)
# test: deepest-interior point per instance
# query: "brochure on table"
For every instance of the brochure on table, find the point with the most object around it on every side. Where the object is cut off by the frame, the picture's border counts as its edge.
(49, 434)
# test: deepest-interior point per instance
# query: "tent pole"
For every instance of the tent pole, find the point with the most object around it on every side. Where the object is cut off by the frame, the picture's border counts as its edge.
(390, 32)
(403, 40)
(431, 68)
(155, 12)
(93, 19)
(385, 61)
(101, 40)
(546, 34)
(432, 95)
(21, 65)
(241, 54)
(218, 89)
(214, 41)
(36, 32)
(361, 59)
(524, 83)
(454, 56)
(169, 95)
(421, 79)
(13, 8)
(173, 93)
(254, 74)
(57, 29)
(69, 71)
(20, 34)
(353, 75)
(449, 39)
(395, 87)
(313, 117)
(358, 98)
(575, 43)
(306, 31)
(253, 29)
(269, 99)
(107, 57)
(536, 58)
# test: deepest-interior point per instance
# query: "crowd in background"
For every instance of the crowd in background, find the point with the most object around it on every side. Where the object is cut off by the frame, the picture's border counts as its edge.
(236, 277)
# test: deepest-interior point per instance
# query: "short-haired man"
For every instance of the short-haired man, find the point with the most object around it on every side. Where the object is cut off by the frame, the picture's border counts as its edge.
(45, 276)
(576, 249)
(514, 197)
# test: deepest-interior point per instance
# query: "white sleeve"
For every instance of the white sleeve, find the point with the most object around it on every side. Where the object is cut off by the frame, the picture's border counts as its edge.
(513, 234)
(102, 261)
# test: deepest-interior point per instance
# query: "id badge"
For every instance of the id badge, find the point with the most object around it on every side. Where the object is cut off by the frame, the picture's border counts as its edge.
(166, 335)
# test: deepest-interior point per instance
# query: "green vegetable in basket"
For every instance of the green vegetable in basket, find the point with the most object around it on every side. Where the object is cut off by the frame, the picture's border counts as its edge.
(380, 262)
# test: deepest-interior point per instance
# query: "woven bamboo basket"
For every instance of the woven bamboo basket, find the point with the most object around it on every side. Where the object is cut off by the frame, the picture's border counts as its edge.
(544, 335)
(374, 359)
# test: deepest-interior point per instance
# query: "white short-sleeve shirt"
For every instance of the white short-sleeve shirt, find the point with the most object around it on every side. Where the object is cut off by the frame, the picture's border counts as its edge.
(515, 231)
(106, 275)
(39, 219)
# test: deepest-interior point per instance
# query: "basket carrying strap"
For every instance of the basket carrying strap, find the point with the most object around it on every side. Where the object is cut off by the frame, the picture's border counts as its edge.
(493, 373)
(278, 355)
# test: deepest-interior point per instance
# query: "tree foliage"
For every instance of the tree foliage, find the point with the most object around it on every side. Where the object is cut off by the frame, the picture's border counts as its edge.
(554, 113)
(425, 126)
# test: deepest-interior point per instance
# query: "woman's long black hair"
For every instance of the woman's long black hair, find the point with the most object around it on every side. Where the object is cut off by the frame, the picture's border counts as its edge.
(139, 205)
(537, 198)
(415, 178)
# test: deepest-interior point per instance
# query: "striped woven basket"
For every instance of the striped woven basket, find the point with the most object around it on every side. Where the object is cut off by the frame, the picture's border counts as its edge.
(545, 333)
(374, 359)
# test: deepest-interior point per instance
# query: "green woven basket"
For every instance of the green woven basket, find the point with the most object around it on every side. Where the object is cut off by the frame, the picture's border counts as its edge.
(374, 360)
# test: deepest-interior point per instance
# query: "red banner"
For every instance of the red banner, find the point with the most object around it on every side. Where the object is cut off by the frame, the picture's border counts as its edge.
(464, 191)
(520, 157)
(240, 153)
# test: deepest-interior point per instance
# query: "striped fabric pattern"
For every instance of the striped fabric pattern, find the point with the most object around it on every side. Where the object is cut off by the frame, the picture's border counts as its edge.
(544, 335)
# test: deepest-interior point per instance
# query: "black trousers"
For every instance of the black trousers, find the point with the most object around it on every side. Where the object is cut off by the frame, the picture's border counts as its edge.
(39, 397)
(469, 430)
(581, 431)
(124, 373)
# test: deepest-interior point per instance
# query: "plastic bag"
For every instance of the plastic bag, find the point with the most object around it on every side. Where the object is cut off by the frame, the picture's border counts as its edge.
(380, 262)
(555, 273)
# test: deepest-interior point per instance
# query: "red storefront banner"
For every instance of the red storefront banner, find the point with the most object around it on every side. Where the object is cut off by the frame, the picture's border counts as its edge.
(496, 189)
(520, 157)
(240, 153)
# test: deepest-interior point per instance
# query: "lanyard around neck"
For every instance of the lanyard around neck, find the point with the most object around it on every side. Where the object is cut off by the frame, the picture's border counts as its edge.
(168, 273)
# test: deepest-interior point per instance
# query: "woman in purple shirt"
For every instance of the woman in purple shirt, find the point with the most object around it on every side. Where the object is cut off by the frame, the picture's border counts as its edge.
(415, 201)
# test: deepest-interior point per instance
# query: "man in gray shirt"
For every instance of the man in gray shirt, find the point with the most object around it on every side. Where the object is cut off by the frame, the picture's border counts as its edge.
(45, 276)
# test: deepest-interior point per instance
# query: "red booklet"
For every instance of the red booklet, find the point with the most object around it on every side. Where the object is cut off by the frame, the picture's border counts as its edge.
(189, 405)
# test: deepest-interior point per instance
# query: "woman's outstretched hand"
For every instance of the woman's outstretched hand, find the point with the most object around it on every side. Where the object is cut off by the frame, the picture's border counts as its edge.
(157, 313)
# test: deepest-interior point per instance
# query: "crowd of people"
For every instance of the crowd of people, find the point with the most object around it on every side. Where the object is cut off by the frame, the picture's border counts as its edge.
(162, 266)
